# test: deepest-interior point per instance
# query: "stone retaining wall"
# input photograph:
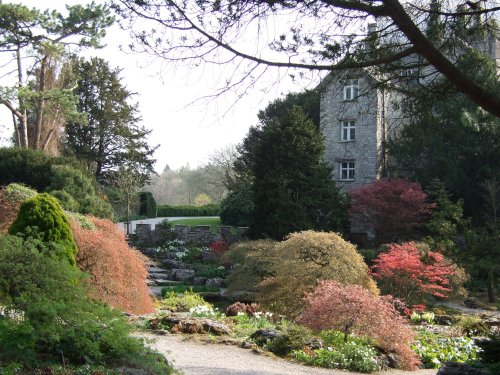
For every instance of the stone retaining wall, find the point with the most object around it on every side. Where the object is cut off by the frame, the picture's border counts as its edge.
(200, 235)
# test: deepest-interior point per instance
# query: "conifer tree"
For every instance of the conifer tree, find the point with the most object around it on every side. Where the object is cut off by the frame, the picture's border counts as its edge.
(292, 184)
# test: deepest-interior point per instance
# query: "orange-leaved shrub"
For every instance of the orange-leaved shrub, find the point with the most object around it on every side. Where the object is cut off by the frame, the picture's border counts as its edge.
(303, 259)
(117, 272)
(352, 309)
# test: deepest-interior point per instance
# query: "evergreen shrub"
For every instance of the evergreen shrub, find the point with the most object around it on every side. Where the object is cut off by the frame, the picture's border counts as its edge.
(237, 207)
(43, 215)
(63, 177)
(147, 204)
(48, 318)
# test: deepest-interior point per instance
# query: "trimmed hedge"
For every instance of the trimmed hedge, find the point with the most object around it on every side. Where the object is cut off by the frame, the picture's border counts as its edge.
(147, 204)
(169, 211)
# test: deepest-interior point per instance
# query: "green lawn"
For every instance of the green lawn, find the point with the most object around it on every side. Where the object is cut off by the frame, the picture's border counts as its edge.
(212, 221)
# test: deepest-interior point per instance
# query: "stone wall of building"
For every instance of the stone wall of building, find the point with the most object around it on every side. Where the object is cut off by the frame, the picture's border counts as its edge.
(365, 111)
(200, 235)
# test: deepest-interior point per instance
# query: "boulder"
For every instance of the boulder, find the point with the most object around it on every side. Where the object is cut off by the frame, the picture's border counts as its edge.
(182, 274)
(444, 320)
(262, 336)
(454, 368)
(216, 282)
(173, 263)
(471, 302)
(200, 325)
(199, 280)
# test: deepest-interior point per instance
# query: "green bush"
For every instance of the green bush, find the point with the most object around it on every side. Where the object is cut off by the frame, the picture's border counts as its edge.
(76, 192)
(170, 211)
(252, 262)
(237, 207)
(293, 337)
(48, 318)
(147, 204)
(302, 260)
(63, 177)
(43, 215)
(182, 301)
(183, 288)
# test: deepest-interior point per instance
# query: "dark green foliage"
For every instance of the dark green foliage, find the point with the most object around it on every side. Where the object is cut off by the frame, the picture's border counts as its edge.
(490, 349)
(170, 211)
(237, 207)
(62, 177)
(76, 192)
(292, 338)
(60, 323)
(292, 185)
(308, 100)
(43, 215)
(446, 219)
(111, 136)
(451, 139)
(147, 204)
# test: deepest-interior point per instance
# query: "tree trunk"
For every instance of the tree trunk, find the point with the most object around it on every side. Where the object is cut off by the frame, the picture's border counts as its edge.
(23, 117)
(40, 105)
(491, 285)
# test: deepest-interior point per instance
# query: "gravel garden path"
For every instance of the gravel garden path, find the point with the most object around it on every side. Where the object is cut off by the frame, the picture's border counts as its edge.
(191, 357)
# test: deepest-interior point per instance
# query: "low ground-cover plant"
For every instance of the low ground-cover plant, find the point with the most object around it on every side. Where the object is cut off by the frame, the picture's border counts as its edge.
(182, 288)
(350, 355)
(117, 272)
(434, 350)
(354, 310)
(182, 301)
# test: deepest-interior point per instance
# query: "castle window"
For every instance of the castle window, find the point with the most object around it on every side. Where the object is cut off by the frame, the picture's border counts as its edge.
(351, 89)
(346, 170)
(348, 130)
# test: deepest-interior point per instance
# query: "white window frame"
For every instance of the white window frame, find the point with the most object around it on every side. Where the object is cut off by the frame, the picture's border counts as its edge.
(347, 130)
(347, 170)
(351, 89)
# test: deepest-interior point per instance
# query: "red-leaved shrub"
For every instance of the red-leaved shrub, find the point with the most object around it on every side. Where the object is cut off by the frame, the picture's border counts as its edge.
(394, 209)
(412, 273)
(117, 272)
(353, 309)
(219, 246)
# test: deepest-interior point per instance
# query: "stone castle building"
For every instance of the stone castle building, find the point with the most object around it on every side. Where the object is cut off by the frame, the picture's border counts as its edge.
(357, 117)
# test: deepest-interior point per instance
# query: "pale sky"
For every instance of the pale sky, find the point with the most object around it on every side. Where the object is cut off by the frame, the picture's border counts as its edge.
(187, 133)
